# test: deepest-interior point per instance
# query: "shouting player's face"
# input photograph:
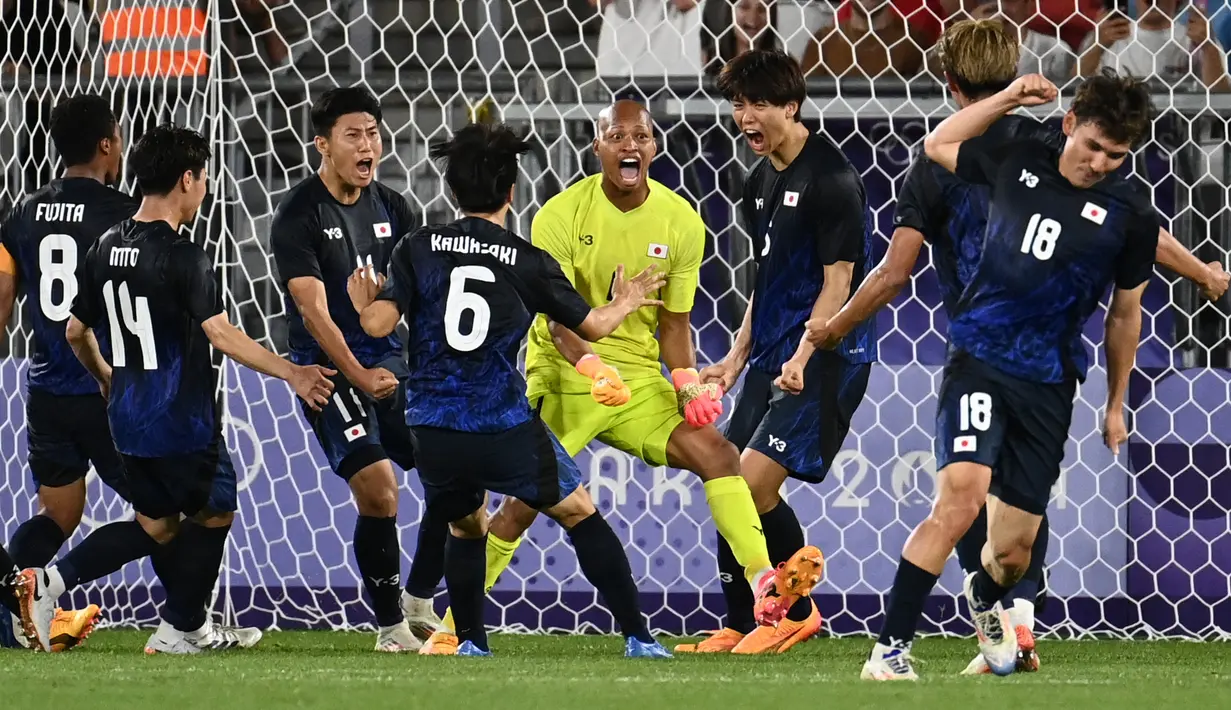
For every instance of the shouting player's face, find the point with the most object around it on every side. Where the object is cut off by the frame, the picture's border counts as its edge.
(764, 125)
(353, 149)
(625, 146)
(1089, 154)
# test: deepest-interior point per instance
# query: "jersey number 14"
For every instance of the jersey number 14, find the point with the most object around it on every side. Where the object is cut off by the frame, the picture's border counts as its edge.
(1041, 235)
(135, 313)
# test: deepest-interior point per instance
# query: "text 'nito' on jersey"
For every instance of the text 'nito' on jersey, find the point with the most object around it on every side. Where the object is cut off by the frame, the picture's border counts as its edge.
(313, 235)
(150, 289)
(1050, 253)
(469, 291)
(48, 235)
(812, 214)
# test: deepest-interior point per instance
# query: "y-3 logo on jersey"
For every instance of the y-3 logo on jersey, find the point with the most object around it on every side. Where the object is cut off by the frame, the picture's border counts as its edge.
(777, 444)
(333, 232)
(1029, 178)
(760, 203)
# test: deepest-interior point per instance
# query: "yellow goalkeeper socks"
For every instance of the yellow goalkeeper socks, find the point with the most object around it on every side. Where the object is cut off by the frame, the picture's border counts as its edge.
(499, 555)
(737, 521)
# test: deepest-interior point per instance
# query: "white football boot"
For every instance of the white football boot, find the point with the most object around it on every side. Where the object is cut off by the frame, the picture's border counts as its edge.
(421, 616)
(397, 639)
(888, 663)
(210, 637)
(997, 642)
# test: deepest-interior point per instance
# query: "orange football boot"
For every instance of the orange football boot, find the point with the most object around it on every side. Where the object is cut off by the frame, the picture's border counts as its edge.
(1027, 658)
(780, 638)
(441, 643)
(779, 589)
(721, 641)
(69, 628)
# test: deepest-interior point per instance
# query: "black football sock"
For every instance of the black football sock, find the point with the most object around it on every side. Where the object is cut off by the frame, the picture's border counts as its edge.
(377, 554)
(1028, 586)
(969, 547)
(985, 591)
(428, 565)
(465, 567)
(36, 542)
(911, 586)
(784, 537)
(197, 560)
(163, 561)
(735, 590)
(604, 563)
(104, 551)
(8, 577)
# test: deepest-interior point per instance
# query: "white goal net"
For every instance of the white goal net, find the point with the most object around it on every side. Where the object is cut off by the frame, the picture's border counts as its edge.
(1140, 544)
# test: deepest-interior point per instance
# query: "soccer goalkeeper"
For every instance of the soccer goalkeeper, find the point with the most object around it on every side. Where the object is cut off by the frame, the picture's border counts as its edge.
(620, 216)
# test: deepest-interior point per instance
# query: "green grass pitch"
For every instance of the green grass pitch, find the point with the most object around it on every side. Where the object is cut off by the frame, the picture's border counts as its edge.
(318, 669)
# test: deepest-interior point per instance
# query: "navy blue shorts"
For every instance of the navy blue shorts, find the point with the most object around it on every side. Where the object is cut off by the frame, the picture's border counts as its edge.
(801, 432)
(526, 462)
(66, 434)
(356, 431)
(1016, 427)
(188, 484)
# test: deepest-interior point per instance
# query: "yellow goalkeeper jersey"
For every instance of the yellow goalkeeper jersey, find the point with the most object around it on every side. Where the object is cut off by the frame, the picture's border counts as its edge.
(589, 237)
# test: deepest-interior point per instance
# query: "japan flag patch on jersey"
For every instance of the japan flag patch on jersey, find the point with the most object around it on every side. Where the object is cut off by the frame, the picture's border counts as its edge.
(965, 443)
(355, 432)
(790, 199)
(1094, 213)
(383, 230)
(658, 251)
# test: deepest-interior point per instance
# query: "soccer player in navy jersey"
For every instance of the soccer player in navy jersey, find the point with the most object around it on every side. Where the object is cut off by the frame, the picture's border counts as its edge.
(470, 290)
(805, 209)
(1061, 228)
(43, 244)
(979, 58)
(154, 292)
(328, 224)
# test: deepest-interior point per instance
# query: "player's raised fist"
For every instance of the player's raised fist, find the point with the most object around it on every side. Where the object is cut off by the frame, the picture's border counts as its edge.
(1216, 281)
(820, 335)
(363, 286)
(700, 404)
(723, 373)
(377, 382)
(791, 380)
(633, 292)
(312, 384)
(1032, 90)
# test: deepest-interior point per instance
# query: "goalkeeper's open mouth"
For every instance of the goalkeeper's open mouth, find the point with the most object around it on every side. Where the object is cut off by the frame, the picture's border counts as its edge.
(630, 171)
(756, 140)
(365, 169)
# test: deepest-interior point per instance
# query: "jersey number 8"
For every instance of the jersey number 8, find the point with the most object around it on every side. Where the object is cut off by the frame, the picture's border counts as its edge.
(460, 301)
(1041, 235)
(136, 316)
(57, 261)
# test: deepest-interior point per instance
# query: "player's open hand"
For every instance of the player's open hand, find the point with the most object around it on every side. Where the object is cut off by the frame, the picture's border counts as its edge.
(791, 380)
(364, 286)
(312, 384)
(1216, 282)
(1114, 430)
(723, 373)
(1032, 90)
(820, 335)
(377, 382)
(634, 292)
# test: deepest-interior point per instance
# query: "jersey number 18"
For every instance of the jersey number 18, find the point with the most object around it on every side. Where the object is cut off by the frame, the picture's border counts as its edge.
(1041, 235)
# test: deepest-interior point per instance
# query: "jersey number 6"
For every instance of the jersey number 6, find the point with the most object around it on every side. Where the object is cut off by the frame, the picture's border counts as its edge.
(460, 301)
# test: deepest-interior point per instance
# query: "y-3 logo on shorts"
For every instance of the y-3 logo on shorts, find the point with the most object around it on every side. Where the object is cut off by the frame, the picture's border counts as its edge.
(777, 444)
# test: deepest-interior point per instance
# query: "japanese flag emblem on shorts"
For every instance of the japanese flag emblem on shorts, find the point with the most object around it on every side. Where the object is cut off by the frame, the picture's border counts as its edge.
(355, 431)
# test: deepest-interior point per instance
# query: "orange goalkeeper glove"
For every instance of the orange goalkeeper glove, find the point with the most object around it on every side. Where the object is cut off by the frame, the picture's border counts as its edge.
(700, 404)
(607, 389)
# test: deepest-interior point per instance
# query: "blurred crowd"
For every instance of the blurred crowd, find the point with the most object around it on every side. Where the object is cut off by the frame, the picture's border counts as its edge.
(1180, 43)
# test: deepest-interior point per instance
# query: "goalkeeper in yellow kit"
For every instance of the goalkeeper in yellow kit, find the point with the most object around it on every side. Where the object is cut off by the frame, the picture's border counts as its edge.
(616, 392)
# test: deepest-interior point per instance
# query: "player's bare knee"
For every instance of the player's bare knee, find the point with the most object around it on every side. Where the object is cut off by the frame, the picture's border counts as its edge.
(64, 505)
(765, 477)
(1012, 559)
(576, 507)
(470, 527)
(375, 490)
(719, 461)
(161, 530)
(213, 518)
(512, 519)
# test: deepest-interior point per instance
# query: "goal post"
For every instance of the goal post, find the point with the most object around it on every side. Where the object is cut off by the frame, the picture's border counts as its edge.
(1140, 544)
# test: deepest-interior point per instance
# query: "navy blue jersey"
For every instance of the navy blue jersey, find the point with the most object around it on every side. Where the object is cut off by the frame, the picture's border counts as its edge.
(48, 235)
(812, 214)
(952, 214)
(1050, 252)
(470, 291)
(151, 289)
(316, 236)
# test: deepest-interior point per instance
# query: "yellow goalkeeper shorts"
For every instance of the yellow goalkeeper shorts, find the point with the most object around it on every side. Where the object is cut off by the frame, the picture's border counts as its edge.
(641, 428)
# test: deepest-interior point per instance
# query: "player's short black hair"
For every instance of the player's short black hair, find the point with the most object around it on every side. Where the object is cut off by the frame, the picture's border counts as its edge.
(1119, 105)
(164, 154)
(78, 124)
(768, 75)
(336, 103)
(480, 165)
